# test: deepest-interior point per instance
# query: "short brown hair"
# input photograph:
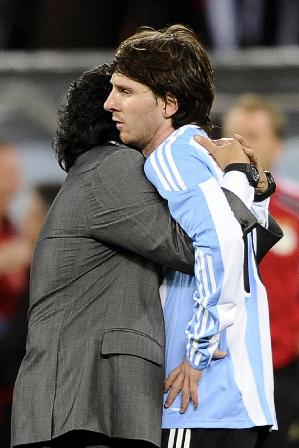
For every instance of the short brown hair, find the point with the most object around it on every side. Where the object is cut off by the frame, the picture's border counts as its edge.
(251, 102)
(172, 62)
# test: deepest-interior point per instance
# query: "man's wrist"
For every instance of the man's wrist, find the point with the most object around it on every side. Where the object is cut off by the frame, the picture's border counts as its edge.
(264, 192)
(263, 183)
(200, 366)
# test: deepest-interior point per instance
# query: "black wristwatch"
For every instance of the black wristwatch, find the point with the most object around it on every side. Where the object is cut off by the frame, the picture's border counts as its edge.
(259, 197)
(249, 169)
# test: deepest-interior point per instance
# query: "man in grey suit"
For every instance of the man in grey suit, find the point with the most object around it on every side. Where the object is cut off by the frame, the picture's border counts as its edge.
(94, 359)
(93, 372)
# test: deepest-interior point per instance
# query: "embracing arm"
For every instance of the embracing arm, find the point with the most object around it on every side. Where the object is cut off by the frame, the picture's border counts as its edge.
(127, 212)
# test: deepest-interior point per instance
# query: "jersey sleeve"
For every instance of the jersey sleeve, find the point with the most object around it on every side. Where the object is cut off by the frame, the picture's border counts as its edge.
(237, 182)
(182, 174)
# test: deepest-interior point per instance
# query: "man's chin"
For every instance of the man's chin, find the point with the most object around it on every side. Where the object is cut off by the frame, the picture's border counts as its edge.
(125, 138)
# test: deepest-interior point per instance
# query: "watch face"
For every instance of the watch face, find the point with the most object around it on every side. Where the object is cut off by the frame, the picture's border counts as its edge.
(258, 197)
(254, 175)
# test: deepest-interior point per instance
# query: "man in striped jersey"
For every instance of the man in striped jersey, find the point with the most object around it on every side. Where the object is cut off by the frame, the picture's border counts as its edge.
(162, 93)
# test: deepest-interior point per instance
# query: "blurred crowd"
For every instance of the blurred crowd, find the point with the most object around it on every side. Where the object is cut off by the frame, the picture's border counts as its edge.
(16, 247)
(221, 24)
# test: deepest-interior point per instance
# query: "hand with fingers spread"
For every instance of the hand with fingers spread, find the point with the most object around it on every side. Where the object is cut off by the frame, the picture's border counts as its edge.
(184, 379)
(233, 150)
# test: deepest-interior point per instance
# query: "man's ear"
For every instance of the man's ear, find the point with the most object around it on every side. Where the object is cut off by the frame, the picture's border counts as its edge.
(170, 106)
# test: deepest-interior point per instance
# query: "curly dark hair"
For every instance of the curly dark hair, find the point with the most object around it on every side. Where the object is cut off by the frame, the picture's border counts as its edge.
(83, 122)
(173, 63)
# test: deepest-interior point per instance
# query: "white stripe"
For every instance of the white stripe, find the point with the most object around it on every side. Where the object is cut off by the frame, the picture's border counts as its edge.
(158, 172)
(204, 278)
(179, 439)
(173, 166)
(201, 268)
(200, 290)
(192, 335)
(199, 318)
(197, 262)
(203, 330)
(206, 317)
(243, 374)
(214, 344)
(192, 352)
(198, 273)
(171, 438)
(197, 265)
(265, 340)
(201, 321)
(165, 169)
(204, 322)
(197, 358)
(167, 148)
(187, 438)
(211, 272)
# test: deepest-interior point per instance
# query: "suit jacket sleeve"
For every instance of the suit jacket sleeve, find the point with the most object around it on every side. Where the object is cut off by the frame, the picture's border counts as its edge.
(266, 237)
(126, 211)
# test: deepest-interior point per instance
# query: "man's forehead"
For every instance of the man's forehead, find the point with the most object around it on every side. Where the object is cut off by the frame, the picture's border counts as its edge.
(118, 79)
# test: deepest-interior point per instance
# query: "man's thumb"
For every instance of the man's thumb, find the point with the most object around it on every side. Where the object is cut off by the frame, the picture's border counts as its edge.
(219, 355)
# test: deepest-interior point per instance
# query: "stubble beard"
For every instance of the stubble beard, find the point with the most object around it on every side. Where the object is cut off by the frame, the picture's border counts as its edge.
(139, 143)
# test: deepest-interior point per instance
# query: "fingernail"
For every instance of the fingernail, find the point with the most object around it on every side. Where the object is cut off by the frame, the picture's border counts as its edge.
(166, 405)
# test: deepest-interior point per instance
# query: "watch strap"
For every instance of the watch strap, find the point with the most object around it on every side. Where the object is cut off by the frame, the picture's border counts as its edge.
(236, 167)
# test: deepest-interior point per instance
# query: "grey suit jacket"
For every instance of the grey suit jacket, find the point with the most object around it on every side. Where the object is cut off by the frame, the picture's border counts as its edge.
(94, 357)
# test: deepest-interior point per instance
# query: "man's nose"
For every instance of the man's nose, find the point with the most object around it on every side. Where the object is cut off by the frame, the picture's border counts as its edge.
(110, 104)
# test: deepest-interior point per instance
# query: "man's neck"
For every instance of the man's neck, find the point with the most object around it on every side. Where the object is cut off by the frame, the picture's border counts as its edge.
(159, 138)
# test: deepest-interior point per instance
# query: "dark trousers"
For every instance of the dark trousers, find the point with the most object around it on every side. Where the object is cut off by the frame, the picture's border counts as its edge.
(214, 438)
(88, 439)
